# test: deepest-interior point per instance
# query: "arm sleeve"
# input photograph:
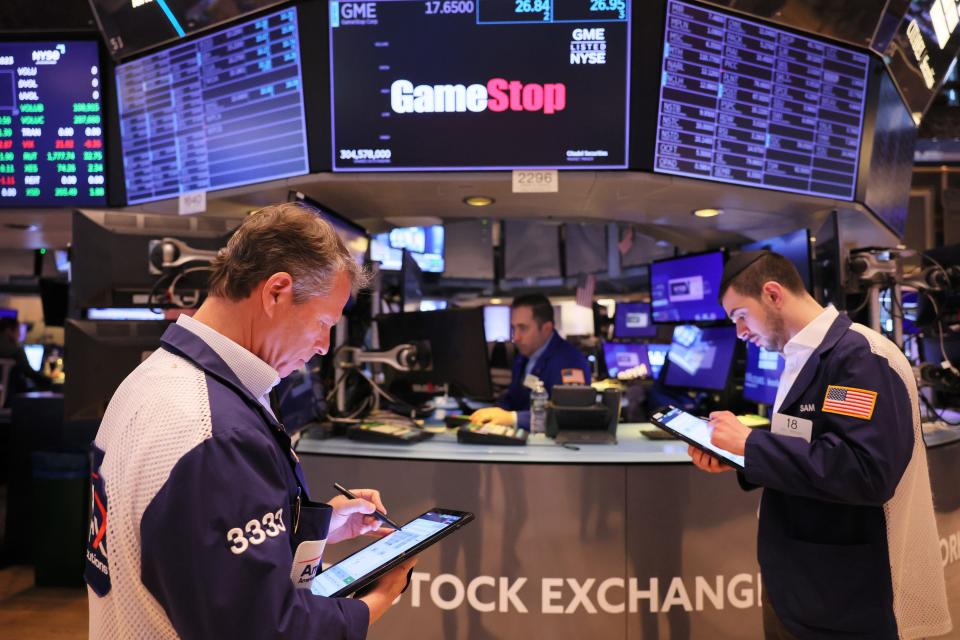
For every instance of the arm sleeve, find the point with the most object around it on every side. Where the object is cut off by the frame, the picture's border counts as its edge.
(851, 460)
(216, 549)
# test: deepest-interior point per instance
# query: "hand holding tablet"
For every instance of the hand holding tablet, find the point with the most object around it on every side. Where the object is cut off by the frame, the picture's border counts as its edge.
(696, 432)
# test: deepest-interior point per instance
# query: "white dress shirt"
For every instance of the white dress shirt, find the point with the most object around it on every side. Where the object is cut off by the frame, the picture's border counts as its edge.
(254, 374)
(799, 349)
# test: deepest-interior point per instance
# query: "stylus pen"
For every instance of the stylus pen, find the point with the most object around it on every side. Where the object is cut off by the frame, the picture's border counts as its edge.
(377, 514)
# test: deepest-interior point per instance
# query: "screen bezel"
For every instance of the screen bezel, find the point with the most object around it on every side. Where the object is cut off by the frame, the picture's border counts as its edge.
(368, 578)
(656, 419)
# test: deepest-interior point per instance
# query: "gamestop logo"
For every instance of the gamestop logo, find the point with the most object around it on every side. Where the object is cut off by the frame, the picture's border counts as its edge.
(497, 95)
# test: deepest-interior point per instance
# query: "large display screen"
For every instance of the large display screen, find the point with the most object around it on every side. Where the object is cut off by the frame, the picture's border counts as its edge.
(479, 84)
(51, 125)
(700, 358)
(221, 111)
(133, 25)
(745, 103)
(685, 289)
(762, 377)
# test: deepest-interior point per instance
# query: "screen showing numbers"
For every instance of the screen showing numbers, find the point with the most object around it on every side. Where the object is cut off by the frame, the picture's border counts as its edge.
(222, 111)
(744, 103)
(479, 84)
(51, 127)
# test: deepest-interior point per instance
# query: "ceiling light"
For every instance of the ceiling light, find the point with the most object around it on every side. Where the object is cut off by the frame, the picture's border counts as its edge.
(496, 301)
(478, 201)
(707, 213)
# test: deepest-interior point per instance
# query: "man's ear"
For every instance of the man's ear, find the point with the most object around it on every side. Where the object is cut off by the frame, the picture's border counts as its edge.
(277, 291)
(773, 291)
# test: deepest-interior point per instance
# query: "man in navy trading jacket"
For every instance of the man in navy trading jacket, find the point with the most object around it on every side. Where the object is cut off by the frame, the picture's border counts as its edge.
(202, 525)
(541, 355)
(847, 543)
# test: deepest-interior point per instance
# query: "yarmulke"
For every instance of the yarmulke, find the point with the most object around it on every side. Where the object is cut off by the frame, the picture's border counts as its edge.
(737, 264)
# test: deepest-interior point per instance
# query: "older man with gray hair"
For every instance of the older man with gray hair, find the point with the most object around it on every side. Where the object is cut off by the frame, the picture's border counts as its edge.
(202, 526)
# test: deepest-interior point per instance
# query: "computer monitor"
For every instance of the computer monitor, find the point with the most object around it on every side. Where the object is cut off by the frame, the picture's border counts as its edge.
(795, 247)
(496, 322)
(299, 397)
(701, 357)
(685, 289)
(457, 343)
(829, 264)
(657, 355)
(98, 355)
(411, 281)
(111, 265)
(424, 243)
(762, 377)
(432, 304)
(8, 313)
(134, 313)
(633, 320)
(627, 356)
(34, 353)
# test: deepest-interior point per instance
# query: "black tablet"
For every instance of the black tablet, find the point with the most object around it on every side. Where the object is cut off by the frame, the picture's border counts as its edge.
(695, 431)
(363, 567)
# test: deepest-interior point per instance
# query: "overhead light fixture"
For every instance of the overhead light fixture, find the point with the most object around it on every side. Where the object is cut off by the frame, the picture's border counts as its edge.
(478, 201)
(662, 243)
(707, 213)
(496, 301)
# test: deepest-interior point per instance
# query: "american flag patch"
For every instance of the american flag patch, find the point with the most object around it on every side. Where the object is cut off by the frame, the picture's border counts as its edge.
(847, 401)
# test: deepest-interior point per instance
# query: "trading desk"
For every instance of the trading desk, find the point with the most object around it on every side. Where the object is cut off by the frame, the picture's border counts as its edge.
(610, 541)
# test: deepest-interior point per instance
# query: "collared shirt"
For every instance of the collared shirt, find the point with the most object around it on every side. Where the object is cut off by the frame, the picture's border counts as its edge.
(255, 374)
(532, 362)
(799, 349)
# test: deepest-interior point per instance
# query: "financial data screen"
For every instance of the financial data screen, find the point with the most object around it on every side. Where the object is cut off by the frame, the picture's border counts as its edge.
(624, 357)
(51, 124)
(745, 103)
(221, 111)
(479, 84)
(368, 559)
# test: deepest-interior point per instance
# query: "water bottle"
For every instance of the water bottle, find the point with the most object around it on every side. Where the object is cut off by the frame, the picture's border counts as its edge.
(538, 409)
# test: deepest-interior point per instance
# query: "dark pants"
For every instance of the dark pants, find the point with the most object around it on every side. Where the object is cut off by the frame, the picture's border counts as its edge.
(773, 629)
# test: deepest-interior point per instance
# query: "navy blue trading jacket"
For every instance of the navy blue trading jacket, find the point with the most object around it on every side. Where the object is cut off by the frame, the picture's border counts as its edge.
(217, 535)
(827, 517)
(558, 355)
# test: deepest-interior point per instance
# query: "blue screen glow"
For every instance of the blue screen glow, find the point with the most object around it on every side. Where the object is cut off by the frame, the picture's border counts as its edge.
(657, 354)
(425, 244)
(700, 358)
(685, 289)
(633, 320)
(621, 357)
(763, 374)
(221, 111)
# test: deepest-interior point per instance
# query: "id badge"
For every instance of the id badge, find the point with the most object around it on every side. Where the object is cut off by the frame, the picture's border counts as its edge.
(785, 425)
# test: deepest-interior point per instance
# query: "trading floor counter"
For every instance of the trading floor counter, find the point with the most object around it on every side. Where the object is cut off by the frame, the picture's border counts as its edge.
(608, 541)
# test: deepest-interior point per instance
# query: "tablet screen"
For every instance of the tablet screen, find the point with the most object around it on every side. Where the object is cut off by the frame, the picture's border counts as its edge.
(369, 559)
(698, 430)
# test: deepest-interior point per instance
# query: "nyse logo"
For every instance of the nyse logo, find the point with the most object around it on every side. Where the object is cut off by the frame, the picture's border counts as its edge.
(589, 46)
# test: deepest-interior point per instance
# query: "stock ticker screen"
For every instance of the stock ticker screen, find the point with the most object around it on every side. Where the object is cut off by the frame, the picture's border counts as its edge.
(51, 127)
(479, 84)
(221, 111)
(745, 103)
